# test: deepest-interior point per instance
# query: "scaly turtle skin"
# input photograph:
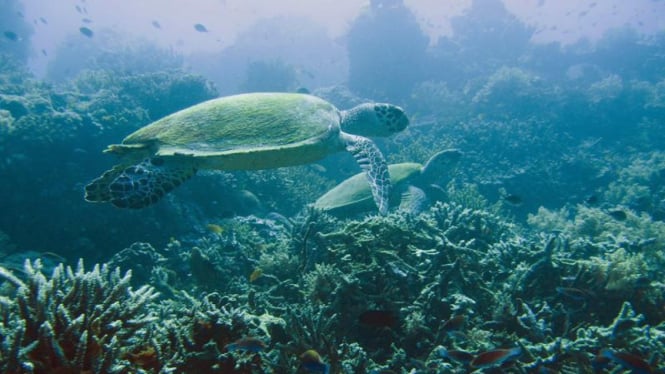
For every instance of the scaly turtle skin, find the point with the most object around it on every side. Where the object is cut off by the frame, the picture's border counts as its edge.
(245, 132)
(353, 196)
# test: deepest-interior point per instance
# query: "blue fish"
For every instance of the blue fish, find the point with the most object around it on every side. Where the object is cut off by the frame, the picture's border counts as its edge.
(11, 35)
(200, 28)
(86, 31)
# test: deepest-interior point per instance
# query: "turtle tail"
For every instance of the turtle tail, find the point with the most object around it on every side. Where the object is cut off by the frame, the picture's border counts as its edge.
(140, 185)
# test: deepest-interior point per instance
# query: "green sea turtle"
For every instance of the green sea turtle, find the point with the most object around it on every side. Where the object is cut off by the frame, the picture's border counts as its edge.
(408, 179)
(245, 132)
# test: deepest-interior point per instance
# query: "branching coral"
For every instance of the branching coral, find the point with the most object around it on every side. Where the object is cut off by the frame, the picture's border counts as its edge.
(74, 320)
(196, 335)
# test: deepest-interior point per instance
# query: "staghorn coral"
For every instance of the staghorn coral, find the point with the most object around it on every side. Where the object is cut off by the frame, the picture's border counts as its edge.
(311, 327)
(74, 320)
(197, 331)
(323, 282)
(628, 332)
(244, 243)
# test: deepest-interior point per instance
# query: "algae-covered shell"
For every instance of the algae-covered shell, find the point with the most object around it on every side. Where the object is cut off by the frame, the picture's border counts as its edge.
(281, 125)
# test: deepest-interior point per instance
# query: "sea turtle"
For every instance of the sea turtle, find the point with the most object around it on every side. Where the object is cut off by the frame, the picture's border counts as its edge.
(408, 179)
(245, 132)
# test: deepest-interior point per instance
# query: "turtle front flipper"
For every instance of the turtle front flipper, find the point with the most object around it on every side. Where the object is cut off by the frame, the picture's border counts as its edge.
(371, 160)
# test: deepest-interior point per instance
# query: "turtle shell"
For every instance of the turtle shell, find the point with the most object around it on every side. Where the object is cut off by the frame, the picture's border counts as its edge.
(248, 124)
(354, 195)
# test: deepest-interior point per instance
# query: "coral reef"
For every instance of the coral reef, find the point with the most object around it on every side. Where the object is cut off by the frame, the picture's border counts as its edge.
(546, 254)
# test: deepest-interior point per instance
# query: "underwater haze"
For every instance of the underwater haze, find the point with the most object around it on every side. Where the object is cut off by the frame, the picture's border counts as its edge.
(381, 186)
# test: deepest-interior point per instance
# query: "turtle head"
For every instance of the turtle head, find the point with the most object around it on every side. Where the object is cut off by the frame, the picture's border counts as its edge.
(374, 119)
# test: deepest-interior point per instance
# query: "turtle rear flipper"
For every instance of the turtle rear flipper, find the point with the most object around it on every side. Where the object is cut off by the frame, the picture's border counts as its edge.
(371, 160)
(143, 184)
(98, 191)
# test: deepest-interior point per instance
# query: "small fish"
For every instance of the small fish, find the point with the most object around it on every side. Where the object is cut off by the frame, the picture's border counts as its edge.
(495, 357)
(253, 345)
(618, 214)
(457, 355)
(256, 274)
(454, 323)
(214, 228)
(11, 35)
(86, 31)
(78, 9)
(628, 361)
(200, 28)
(513, 199)
(378, 318)
(156, 25)
(86, 20)
(311, 361)
(44, 52)
(575, 293)
(43, 20)
(302, 90)
(591, 200)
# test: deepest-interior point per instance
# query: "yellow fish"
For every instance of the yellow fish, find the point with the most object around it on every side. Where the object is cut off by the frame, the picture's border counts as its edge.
(214, 228)
(256, 274)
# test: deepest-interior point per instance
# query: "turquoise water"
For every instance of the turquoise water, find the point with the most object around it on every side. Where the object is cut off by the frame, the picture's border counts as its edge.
(536, 245)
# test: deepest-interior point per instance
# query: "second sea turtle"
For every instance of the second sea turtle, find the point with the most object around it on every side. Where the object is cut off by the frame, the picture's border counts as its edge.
(409, 180)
